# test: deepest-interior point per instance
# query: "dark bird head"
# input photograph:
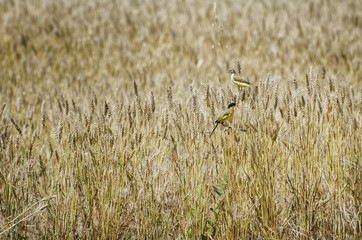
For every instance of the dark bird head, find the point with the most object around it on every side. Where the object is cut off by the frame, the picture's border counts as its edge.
(232, 71)
(231, 105)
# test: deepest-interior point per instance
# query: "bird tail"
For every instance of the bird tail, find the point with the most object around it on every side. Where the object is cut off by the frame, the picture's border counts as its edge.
(214, 129)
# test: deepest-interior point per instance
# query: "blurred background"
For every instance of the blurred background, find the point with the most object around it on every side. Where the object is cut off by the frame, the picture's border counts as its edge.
(80, 46)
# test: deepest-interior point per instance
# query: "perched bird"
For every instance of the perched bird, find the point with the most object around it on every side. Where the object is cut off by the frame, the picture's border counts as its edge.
(240, 82)
(226, 117)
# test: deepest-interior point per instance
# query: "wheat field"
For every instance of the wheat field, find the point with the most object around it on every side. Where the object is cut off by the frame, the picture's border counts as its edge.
(106, 109)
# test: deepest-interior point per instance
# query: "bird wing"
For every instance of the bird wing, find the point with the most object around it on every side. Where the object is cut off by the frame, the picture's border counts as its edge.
(241, 79)
(222, 118)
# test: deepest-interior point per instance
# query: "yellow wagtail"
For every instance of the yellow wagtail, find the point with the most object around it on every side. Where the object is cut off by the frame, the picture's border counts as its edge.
(240, 82)
(226, 117)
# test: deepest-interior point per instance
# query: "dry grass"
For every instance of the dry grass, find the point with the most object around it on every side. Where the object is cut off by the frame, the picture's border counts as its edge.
(106, 109)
